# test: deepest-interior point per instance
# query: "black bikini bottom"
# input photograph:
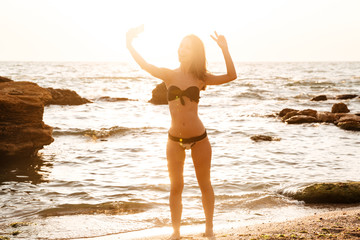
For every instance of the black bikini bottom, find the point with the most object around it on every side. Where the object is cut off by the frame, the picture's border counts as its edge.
(188, 143)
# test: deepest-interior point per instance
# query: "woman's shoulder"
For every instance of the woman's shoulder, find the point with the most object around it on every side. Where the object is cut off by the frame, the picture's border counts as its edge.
(177, 70)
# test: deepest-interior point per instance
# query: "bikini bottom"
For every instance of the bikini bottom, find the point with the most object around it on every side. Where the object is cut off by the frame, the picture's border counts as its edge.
(188, 143)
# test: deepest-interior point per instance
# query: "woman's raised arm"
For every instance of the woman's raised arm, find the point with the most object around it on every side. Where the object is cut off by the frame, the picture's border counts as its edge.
(230, 68)
(162, 73)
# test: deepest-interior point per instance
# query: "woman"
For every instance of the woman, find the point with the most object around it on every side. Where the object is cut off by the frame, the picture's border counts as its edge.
(187, 131)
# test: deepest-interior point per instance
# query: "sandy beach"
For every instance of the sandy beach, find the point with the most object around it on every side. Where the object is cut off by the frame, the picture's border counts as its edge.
(343, 224)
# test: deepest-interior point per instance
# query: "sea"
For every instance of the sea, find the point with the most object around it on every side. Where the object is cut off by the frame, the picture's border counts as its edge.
(106, 171)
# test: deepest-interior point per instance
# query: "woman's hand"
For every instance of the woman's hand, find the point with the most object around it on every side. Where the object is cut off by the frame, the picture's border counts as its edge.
(220, 40)
(133, 33)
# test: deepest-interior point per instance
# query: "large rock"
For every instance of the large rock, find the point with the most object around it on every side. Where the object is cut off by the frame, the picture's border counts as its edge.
(4, 79)
(22, 131)
(25, 90)
(159, 95)
(65, 97)
(329, 193)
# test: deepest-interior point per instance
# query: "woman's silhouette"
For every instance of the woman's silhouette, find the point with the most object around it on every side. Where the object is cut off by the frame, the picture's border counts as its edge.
(187, 131)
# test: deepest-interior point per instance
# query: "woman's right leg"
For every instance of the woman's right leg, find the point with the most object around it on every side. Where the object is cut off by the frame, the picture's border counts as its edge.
(175, 156)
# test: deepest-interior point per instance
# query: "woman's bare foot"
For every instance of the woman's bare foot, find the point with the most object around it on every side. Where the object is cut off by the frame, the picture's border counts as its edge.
(209, 234)
(211, 237)
(175, 236)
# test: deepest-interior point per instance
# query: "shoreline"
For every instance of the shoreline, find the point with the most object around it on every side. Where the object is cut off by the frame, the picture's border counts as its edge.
(336, 224)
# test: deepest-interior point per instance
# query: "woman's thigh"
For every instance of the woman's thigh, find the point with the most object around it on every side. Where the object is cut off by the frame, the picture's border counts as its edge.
(201, 154)
(175, 155)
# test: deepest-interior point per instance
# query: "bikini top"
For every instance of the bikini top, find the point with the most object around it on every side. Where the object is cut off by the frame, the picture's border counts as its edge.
(192, 92)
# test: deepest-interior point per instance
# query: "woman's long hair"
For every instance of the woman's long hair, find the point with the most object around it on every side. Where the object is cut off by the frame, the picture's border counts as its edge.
(198, 65)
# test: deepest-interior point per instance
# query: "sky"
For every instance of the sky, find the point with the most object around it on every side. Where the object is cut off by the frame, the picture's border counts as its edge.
(256, 30)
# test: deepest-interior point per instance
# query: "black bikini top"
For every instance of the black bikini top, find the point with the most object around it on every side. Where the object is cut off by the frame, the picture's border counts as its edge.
(192, 92)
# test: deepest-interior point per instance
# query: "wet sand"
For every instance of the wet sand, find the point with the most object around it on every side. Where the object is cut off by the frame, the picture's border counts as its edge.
(343, 224)
(330, 225)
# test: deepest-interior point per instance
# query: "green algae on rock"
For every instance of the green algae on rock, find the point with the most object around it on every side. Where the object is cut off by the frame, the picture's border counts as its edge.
(348, 192)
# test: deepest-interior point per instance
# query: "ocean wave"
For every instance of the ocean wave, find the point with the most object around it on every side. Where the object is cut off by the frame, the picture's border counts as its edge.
(282, 78)
(269, 201)
(251, 78)
(150, 187)
(303, 96)
(113, 99)
(164, 221)
(109, 208)
(101, 133)
(251, 95)
(111, 78)
(293, 188)
(311, 83)
(104, 132)
(252, 201)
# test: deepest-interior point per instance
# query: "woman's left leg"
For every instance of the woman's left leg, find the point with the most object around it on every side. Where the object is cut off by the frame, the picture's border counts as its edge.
(201, 155)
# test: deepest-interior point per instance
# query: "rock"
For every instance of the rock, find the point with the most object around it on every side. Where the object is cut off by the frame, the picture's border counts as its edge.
(327, 117)
(298, 119)
(289, 115)
(339, 108)
(24, 90)
(338, 97)
(349, 122)
(329, 193)
(283, 112)
(4, 79)
(111, 99)
(258, 138)
(353, 126)
(346, 96)
(23, 140)
(319, 98)
(159, 95)
(339, 116)
(65, 97)
(306, 112)
(22, 131)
